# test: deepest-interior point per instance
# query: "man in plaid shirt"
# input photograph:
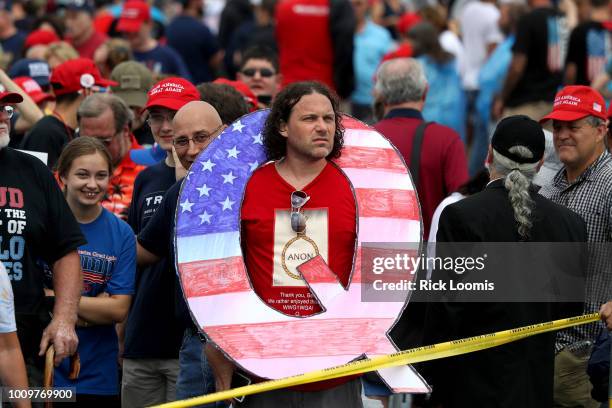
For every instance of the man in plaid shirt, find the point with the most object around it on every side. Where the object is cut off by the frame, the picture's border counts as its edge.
(584, 185)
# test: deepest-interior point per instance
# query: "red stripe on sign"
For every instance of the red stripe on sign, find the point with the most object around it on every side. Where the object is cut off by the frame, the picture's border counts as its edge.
(271, 340)
(316, 270)
(387, 203)
(354, 157)
(206, 278)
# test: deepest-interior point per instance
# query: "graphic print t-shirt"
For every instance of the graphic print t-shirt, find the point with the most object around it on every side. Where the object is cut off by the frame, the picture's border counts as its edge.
(108, 262)
(7, 307)
(273, 250)
(588, 47)
(542, 36)
(36, 224)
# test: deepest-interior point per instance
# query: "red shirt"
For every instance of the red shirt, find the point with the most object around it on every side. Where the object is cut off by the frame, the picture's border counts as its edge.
(87, 49)
(267, 232)
(304, 44)
(443, 167)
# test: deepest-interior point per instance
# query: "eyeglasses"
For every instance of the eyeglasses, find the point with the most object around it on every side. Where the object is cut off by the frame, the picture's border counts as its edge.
(264, 72)
(298, 219)
(8, 110)
(182, 142)
(157, 119)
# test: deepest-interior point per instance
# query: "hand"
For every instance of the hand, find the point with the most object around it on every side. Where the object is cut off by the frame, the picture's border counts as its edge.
(223, 369)
(497, 109)
(179, 171)
(63, 337)
(605, 314)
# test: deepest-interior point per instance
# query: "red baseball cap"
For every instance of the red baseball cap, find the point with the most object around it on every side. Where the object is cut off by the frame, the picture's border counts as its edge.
(9, 98)
(576, 102)
(134, 13)
(243, 88)
(74, 75)
(32, 88)
(40, 37)
(172, 93)
(406, 21)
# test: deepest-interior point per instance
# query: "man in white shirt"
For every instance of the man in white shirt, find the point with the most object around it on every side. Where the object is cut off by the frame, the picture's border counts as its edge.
(480, 35)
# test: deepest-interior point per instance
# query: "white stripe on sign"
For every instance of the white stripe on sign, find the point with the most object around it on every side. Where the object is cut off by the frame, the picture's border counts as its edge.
(231, 302)
(362, 178)
(376, 229)
(365, 138)
(209, 246)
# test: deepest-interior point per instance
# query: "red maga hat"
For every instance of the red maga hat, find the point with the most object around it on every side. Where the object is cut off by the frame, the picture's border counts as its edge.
(40, 37)
(576, 102)
(133, 14)
(9, 98)
(74, 75)
(172, 93)
(32, 88)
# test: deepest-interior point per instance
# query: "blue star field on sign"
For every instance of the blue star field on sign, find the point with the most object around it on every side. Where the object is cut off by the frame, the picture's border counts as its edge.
(212, 193)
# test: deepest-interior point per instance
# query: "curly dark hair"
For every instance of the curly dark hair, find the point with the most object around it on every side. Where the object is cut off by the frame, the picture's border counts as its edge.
(276, 144)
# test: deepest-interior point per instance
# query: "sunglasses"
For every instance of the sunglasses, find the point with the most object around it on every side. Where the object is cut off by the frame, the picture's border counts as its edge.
(264, 72)
(8, 111)
(298, 219)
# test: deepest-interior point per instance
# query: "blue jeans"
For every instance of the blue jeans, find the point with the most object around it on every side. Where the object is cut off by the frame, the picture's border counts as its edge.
(195, 375)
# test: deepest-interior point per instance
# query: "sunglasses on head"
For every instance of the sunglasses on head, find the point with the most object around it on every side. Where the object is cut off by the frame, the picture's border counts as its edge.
(264, 72)
(298, 219)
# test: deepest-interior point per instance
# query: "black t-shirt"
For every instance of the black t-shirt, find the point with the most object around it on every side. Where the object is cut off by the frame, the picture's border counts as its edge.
(151, 330)
(158, 238)
(37, 224)
(587, 50)
(36, 227)
(48, 135)
(542, 36)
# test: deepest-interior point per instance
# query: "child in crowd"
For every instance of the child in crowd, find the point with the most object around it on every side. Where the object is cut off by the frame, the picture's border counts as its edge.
(108, 264)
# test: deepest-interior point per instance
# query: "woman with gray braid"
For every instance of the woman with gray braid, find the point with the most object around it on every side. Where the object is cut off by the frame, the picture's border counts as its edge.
(507, 211)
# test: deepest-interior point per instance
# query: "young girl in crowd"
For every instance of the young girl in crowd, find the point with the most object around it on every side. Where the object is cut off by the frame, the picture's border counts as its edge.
(108, 261)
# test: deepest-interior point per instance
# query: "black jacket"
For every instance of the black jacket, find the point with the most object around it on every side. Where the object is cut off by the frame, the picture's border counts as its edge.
(518, 374)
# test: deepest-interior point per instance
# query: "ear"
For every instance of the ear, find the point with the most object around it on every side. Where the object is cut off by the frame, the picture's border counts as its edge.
(425, 94)
(282, 129)
(540, 163)
(602, 132)
(489, 158)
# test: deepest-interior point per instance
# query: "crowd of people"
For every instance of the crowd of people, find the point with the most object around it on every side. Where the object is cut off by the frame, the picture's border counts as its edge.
(498, 108)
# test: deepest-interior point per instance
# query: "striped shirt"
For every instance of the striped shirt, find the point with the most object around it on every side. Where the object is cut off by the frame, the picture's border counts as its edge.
(590, 195)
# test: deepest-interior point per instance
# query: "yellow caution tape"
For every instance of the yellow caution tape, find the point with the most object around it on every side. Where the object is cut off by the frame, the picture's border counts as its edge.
(416, 355)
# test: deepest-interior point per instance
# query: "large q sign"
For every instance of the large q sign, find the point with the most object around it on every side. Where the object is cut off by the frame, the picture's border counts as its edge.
(261, 340)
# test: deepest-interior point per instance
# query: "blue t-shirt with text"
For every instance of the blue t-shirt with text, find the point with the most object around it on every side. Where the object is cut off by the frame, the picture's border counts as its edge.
(108, 262)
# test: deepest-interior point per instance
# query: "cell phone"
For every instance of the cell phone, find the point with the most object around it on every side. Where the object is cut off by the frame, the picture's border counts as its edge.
(239, 380)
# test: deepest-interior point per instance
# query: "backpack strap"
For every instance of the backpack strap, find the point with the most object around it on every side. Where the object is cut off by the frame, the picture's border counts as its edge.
(415, 157)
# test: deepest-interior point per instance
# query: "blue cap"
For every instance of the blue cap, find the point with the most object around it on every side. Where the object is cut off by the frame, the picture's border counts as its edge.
(36, 69)
(78, 5)
(148, 156)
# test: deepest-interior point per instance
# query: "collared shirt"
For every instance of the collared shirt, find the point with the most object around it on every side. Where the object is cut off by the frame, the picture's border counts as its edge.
(590, 195)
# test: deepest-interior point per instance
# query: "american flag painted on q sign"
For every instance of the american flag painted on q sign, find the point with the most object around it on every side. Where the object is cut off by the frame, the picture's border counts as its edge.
(213, 275)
